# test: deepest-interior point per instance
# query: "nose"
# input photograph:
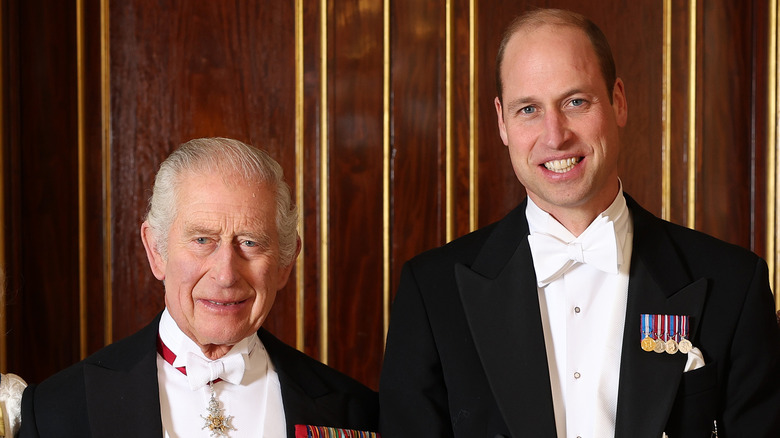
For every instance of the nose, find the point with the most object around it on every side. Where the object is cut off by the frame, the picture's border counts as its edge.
(555, 129)
(225, 268)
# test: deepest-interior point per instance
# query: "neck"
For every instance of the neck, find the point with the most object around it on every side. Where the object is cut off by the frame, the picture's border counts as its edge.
(214, 352)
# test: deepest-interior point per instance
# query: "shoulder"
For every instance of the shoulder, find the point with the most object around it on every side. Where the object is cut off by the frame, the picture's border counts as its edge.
(123, 354)
(312, 375)
(499, 239)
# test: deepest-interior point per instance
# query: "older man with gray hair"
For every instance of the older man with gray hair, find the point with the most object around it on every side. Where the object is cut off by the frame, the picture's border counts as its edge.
(221, 236)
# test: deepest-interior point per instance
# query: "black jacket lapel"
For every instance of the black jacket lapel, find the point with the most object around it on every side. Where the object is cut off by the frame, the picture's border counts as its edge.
(659, 284)
(122, 393)
(502, 308)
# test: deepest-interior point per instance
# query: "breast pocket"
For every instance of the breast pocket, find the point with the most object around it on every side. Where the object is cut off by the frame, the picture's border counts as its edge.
(696, 403)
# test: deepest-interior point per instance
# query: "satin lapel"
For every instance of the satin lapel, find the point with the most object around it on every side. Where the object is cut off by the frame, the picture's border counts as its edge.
(658, 284)
(122, 393)
(503, 315)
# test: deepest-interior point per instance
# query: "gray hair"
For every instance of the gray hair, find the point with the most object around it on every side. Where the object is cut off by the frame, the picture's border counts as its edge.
(228, 157)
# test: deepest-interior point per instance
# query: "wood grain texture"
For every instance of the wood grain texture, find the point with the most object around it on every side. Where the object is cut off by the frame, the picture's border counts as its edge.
(42, 235)
(181, 69)
(355, 159)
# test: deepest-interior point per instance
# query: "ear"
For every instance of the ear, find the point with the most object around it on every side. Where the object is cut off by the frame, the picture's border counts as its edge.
(285, 271)
(156, 260)
(619, 103)
(501, 125)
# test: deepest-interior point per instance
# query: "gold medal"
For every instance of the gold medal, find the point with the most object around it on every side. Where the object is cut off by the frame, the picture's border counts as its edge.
(648, 344)
(671, 346)
(685, 346)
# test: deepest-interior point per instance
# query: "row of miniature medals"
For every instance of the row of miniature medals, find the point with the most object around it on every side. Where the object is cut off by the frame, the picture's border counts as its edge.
(665, 333)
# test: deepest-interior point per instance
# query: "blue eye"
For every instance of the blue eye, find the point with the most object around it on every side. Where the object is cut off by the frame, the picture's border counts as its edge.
(528, 110)
(201, 240)
(578, 102)
(250, 243)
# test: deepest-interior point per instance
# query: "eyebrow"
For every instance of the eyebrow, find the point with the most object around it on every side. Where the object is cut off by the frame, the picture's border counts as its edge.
(515, 104)
(195, 230)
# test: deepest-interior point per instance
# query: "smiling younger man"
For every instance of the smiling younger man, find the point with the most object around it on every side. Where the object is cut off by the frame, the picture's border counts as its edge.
(533, 325)
(221, 236)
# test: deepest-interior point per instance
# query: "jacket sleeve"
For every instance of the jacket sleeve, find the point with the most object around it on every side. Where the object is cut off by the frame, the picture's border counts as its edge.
(752, 388)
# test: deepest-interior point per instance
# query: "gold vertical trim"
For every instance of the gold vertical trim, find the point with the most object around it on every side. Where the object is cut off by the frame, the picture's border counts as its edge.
(3, 155)
(324, 181)
(299, 174)
(105, 101)
(666, 113)
(692, 117)
(773, 157)
(82, 171)
(385, 166)
(448, 122)
(473, 112)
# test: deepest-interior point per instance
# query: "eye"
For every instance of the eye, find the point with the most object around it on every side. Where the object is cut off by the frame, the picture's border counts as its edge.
(528, 110)
(201, 240)
(250, 243)
(577, 102)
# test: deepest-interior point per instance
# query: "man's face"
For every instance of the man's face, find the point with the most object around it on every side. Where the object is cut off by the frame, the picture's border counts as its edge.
(558, 122)
(222, 271)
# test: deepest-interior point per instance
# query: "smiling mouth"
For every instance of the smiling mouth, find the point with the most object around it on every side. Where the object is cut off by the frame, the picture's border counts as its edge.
(561, 166)
(226, 304)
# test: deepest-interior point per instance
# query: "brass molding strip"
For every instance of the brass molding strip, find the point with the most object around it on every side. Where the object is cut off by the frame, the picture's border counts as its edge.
(299, 175)
(105, 100)
(82, 170)
(666, 115)
(773, 157)
(692, 117)
(448, 181)
(473, 112)
(3, 154)
(324, 235)
(385, 167)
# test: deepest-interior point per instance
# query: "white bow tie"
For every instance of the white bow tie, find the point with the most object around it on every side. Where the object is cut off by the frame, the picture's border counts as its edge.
(201, 371)
(597, 246)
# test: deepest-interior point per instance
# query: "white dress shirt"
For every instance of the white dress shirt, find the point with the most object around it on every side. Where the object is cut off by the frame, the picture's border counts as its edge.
(583, 315)
(255, 404)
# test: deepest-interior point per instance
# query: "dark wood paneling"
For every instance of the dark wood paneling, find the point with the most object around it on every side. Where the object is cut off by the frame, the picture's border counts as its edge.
(355, 159)
(723, 206)
(181, 70)
(42, 234)
(417, 86)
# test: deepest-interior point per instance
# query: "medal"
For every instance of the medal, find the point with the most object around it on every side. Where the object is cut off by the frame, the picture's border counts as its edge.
(216, 421)
(685, 345)
(647, 342)
(671, 343)
(660, 345)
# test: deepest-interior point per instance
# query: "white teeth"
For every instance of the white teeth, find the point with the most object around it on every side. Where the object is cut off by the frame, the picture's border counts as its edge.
(222, 304)
(561, 166)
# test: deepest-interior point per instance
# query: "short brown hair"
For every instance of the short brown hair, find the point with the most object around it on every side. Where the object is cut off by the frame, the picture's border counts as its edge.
(561, 17)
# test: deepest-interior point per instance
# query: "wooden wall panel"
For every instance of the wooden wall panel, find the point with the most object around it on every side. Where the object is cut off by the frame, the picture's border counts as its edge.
(417, 86)
(309, 82)
(723, 185)
(42, 293)
(355, 160)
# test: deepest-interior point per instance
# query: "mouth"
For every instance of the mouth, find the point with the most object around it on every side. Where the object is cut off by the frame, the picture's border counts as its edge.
(562, 166)
(224, 303)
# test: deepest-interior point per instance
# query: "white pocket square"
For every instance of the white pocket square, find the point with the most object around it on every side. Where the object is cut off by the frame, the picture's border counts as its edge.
(695, 360)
